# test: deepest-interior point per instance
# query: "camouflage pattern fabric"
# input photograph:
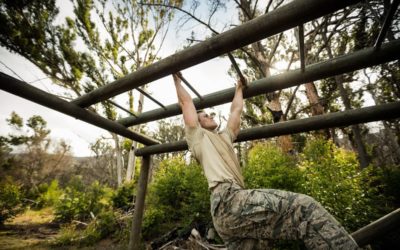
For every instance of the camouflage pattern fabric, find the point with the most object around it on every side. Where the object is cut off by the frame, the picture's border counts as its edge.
(248, 218)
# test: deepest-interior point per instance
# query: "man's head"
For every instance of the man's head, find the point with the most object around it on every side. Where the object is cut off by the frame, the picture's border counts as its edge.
(206, 121)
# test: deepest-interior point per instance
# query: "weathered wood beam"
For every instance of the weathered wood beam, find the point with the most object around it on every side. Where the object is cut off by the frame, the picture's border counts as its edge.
(343, 64)
(274, 22)
(134, 238)
(377, 229)
(24, 90)
(337, 119)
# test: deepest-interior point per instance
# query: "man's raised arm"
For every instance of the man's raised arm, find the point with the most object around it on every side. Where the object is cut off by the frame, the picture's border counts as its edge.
(186, 103)
(236, 109)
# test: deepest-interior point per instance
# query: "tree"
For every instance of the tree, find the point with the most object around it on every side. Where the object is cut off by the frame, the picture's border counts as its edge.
(114, 39)
(35, 163)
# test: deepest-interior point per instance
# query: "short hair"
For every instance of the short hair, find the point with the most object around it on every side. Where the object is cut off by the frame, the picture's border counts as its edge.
(200, 111)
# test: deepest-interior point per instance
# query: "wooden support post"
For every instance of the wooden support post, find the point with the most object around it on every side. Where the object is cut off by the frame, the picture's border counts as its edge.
(134, 239)
(377, 229)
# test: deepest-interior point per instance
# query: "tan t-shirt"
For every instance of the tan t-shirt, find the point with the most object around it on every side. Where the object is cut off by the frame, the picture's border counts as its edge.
(216, 168)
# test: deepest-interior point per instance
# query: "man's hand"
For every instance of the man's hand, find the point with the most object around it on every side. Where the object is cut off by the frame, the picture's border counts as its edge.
(177, 77)
(239, 83)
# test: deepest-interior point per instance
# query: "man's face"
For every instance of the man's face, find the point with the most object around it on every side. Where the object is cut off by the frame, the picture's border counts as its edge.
(206, 121)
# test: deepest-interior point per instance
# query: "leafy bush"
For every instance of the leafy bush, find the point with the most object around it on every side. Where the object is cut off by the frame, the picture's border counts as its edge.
(49, 194)
(10, 200)
(68, 235)
(123, 197)
(79, 200)
(391, 180)
(178, 196)
(104, 225)
(333, 177)
(270, 167)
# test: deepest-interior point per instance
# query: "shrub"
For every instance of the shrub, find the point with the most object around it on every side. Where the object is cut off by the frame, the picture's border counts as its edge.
(178, 196)
(49, 194)
(270, 167)
(68, 235)
(10, 200)
(102, 226)
(333, 177)
(391, 179)
(123, 197)
(80, 200)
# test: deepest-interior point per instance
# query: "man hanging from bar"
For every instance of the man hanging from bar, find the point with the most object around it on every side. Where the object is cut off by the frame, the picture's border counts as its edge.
(245, 218)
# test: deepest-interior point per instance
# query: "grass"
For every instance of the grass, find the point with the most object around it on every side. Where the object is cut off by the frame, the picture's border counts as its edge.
(31, 229)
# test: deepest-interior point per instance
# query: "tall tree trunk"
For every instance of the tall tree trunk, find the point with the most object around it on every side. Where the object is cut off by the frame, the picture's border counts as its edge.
(357, 143)
(316, 107)
(275, 107)
(118, 160)
(130, 172)
(313, 98)
(263, 58)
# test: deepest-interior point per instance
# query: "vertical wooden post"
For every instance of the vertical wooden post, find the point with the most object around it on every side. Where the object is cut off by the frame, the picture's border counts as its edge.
(134, 239)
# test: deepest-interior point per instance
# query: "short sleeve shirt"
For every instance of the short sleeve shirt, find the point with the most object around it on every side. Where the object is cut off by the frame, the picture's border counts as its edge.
(215, 168)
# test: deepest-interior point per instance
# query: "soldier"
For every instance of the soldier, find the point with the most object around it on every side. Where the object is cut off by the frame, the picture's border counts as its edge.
(245, 218)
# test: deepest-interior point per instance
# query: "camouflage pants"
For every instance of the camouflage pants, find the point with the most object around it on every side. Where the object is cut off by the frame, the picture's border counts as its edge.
(248, 218)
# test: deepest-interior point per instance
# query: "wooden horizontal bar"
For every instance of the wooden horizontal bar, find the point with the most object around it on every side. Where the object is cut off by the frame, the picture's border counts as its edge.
(377, 229)
(274, 22)
(27, 91)
(337, 119)
(343, 64)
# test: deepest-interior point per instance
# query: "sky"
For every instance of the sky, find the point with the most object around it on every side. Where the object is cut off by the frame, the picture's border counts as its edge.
(206, 77)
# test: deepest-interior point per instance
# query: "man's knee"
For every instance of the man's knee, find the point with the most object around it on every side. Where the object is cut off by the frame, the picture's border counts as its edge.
(306, 200)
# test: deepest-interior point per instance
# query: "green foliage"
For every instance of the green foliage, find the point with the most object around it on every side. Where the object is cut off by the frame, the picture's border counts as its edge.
(270, 167)
(68, 235)
(10, 200)
(333, 177)
(123, 197)
(178, 196)
(49, 194)
(391, 181)
(102, 226)
(80, 200)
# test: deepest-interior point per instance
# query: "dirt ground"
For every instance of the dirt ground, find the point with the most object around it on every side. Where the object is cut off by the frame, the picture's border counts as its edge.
(35, 230)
